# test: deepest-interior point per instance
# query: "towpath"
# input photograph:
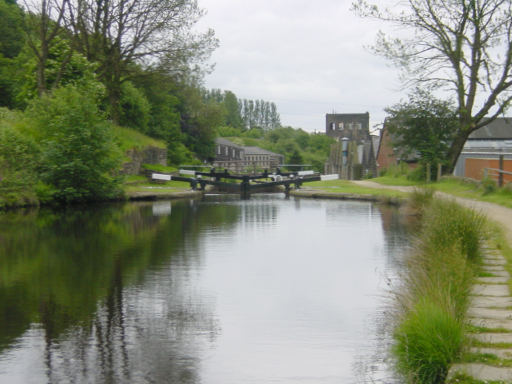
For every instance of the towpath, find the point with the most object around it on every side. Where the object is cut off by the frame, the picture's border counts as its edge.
(495, 212)
(491, 303)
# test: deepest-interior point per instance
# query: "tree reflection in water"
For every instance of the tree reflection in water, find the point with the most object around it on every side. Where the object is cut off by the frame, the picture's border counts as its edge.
(68, 273)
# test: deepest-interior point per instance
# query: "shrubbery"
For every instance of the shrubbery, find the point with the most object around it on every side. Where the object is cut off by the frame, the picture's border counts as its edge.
(61, 149)
(78, 157)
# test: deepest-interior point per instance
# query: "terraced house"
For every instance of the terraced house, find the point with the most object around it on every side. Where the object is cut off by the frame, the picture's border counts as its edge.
(238, 159)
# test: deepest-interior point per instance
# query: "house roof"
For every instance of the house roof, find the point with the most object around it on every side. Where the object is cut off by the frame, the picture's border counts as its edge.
(501, 128)
(259, 151)
(223, 141)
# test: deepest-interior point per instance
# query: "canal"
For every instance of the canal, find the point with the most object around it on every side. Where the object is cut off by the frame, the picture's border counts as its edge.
(218, 291)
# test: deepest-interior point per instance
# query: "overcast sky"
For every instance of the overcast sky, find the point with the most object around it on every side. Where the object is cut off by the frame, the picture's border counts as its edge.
(308, 57)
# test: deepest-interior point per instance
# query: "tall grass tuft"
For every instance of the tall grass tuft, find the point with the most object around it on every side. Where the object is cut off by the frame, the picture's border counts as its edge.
(420, 199)
(435, 294)
(428, 341)
(448, 224)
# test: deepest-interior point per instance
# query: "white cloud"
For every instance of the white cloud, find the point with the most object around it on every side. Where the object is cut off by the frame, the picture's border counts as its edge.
(308, 57)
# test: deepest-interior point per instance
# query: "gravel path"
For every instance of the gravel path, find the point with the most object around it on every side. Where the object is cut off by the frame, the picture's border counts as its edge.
(494, 212)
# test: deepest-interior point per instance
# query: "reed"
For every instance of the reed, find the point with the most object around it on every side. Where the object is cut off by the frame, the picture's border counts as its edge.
(433, 300)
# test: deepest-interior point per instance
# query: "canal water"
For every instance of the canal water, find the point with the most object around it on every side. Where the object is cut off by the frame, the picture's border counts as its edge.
(218, 291)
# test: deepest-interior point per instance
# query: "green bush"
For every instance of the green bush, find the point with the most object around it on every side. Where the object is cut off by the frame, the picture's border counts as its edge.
(418, 174)
(398, 170)
(19, 157)
(79, 159)
(227, 131)
(135, 108)
(429, 339)
(489, 186)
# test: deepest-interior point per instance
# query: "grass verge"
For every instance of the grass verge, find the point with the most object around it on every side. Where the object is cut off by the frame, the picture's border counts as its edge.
(128, 138)
(347, 187)
(432, 303)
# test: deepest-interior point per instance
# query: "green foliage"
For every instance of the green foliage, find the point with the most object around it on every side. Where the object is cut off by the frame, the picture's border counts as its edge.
(11, 32)
(127, 138)
(459, 227)
(180, 154)
(232, 107)
(425, 126)
(418, 174)
(79, 159)
(254, 133)
(11, 42)
(227, 131)
(396, 171)
(63, 67)
(298, 146)
(159, 168)
(19, 156)
(489, 186)
(428, 341)
(200, 120)
(420, 199)
(135, 108)
(295, 158)
(435, 295)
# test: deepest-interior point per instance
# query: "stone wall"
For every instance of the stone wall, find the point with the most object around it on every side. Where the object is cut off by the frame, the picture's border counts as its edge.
(149, 155)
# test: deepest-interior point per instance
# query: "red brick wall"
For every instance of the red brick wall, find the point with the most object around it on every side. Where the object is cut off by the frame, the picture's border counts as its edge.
(475, 168)
(386, 156)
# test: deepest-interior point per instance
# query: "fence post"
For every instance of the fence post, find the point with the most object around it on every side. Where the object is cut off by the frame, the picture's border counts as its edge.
(439, 171)
(500, 177)
(429, 177)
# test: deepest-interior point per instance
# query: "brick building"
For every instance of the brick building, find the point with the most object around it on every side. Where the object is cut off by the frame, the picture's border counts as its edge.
(483, 149)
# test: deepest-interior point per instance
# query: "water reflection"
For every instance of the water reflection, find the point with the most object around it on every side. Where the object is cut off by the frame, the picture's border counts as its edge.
(213, 291)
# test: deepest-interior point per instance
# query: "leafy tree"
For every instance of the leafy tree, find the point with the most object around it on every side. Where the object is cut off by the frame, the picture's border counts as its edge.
(460, 46)
(62, 67)
(200, 118)
(233, 117)
(135, 108)
(423, 125)
(295, 158)
(117, 34)
(11, 42)
(41, 33)
(259, 113)
(79, 158)
(11, 32)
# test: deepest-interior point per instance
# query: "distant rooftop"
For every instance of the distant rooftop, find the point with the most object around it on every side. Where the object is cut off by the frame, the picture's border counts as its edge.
(259, 151)
(223, 141)
(501, 128)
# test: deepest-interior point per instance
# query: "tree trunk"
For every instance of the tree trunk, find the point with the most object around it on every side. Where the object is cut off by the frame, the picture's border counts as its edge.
(455, 150)
(114, 97)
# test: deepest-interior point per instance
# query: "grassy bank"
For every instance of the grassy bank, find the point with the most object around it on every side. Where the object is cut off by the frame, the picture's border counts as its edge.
(347, 187)
(432, 303)
(486, 190)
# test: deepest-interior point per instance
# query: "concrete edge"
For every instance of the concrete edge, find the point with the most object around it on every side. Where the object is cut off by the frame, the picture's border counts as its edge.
(348, 196)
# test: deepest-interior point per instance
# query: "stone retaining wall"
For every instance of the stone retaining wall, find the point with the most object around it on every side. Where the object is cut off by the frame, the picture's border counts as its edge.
(149, 155)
